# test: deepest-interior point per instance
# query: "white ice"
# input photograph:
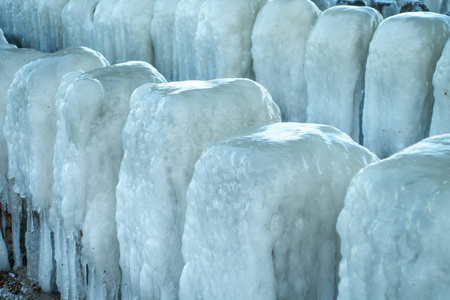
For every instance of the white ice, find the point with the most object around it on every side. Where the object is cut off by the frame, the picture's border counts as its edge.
(168, 127)
(394, 226)
(261, 213)
(4, 262)
(440, 121)
(336, 55)
(399, 94)
(278, 50)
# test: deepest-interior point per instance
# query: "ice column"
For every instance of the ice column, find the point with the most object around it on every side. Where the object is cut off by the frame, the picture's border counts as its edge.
(335, 64)
(399, 94)
(279, 41)
(440, 121)
(168, 128)
(394, 226)
(223, 39)
(261, 214)
(30, 131)
(2, 38)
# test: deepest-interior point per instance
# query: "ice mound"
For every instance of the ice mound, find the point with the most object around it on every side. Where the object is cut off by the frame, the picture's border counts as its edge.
(440, 121)
(399, 94)
(394, 226)
(91, 114)
(261, 214)
(279, 41)
(335, 77)
(168, 127)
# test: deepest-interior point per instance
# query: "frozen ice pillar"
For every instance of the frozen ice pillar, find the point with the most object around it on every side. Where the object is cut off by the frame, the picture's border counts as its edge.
(88, 151)
(278, 49)
(399, 94)
(261, 213)
(335, 77)
(440, 122)
(394, 226)
(168, 128)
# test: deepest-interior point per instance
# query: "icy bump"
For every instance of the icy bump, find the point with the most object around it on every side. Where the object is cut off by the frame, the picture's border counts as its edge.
(261, 213)
(168, 127)
(399, 94)
(278, 49)
(91, 113)
(394, 226)
(223, 38)
(440, 121)
(336, 55)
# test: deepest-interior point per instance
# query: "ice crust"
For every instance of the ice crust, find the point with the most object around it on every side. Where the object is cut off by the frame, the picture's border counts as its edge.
(168, 127)
(91, 113)
(440, 121)
(261, 213)
(335, 77)
(278, 49)
(394, 226)
(399, 94)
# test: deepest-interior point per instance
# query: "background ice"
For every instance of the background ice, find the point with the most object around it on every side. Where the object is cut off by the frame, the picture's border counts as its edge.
(394, 226)
(4, 261)
(278, 49)
(261, 214)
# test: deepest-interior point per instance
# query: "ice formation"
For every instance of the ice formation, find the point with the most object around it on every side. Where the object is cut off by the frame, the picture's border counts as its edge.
(261, 213)
(394, 226)
(335, 77)
(2, 38)
(91, 113)
(278, 50)
(440, 121)
(4, 262)
(173, 123)
(399, 94)
(30, 131)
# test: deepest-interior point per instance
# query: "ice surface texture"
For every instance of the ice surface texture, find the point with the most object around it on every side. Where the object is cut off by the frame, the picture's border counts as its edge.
(261, 214)
(2, 38)
(336, 55)
(167, 129)
(278, 50)
(394, 226)
(399, 94)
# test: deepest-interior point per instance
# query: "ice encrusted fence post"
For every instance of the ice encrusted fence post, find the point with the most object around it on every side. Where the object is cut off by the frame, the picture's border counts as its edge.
(91, 113)
(335, 77)
(30, 132)
(168, 128)
(278, 50)
(394, 226)
(261, 213)
(399, 95)
(440, 121)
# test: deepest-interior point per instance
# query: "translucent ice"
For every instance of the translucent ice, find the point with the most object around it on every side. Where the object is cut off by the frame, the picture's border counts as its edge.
(4, 262)
(168, 128)
(335, 77)
(440, 121)
(2, 38)
(399, 94)
(261, 214)
(394, 226)
(279, 41)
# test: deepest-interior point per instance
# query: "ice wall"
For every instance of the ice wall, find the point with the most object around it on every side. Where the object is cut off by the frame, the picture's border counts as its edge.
(30, 131)
(440, 122)
(394, 226)
(399, 97)
(335, 77)
(91, 113)
(278, 50)
(261, 214)
(173, 123)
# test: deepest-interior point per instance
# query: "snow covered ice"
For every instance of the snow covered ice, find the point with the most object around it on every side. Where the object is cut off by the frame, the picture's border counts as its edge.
(91, 113)
(440, 121)
(394, 226)
(335, 78)
(399, 94)
(278, 49)
(173, 123)
(261, 213)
